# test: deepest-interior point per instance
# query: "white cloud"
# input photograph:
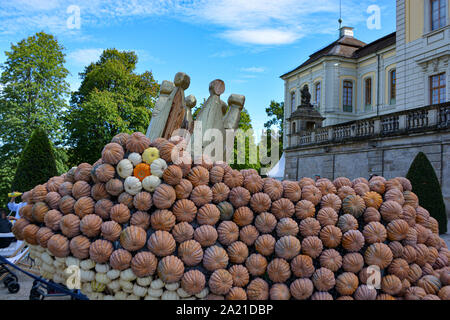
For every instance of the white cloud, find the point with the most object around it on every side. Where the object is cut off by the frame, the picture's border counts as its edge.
(253, 69)
(84, 57)
(250, 22)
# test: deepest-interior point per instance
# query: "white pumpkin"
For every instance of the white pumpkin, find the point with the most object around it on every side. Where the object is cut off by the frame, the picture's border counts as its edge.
(86, 288)
(148, 297)
(157, 284)
(60, 260)
(38, 261)
(45, 274)
(87, 264)
(135, 158)
(139, 291)
(170, 295)
(102, 267)
(57, 264)
(157, 167)
(72, 261)
(113, 274)
(114, 285)
(102, 278)
(156, 293)
(189, 298)
(95, 296)
(124, 168)
(58, 278)
(172, 286)
(108, 297)
(48, 268)
(133, 297)
(132, 185)
(182, 293)
(126, 286)
(150, 183)
(47, 258)
(120, 295)
(87, 275)
(144, 282)
(128, 275)
(202, 294)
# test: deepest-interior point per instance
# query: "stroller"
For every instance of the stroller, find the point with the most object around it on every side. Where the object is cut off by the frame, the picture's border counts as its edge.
(15, 254)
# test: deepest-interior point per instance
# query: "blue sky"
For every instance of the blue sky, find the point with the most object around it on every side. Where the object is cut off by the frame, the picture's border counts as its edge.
(246, 43)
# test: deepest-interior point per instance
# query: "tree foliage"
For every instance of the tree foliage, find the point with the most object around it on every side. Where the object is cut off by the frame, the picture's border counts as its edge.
(425, 185)
(33, 95)
(112, 98)
(37, 163)
(275, 112)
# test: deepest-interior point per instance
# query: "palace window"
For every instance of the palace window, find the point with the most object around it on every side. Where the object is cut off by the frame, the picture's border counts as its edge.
(392, 86)
(293, 128)
(437, 89)
(438, 14)
(368, 93)
(348, 96)
(318, 92)
(293, 101)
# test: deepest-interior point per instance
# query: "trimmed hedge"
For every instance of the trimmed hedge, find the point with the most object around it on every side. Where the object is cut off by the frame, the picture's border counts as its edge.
(37, 163)
(425, 185)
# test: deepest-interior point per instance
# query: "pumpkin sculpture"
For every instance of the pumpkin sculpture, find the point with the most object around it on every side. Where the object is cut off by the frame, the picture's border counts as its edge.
(140, 224)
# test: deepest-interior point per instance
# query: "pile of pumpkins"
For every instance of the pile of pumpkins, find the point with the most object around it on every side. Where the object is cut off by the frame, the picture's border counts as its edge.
(148, 221)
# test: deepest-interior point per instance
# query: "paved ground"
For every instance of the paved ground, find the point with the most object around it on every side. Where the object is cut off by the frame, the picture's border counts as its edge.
(26, 282)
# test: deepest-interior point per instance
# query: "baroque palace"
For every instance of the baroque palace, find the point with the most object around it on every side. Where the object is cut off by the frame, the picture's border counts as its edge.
(376, 105)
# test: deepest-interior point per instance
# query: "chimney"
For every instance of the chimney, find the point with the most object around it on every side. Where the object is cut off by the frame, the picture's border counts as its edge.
(346, 31)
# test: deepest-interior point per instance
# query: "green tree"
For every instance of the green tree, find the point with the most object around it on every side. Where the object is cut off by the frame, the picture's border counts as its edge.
(37, 163)
(33, 95)
(112, 98)
(425, 185)
(276, 113)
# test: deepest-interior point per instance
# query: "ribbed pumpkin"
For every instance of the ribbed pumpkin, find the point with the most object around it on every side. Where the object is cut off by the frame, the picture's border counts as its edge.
(183, 189)
(312, 246)
(226, 210)
(102, 208)
(287, 227)
(248, 235)
(312, 194)
(220, 282)
(256, 264)
(83, 172)
(233, 179)
(120, 213)
(39, 193)
(327, 216)
(326, 187)
(58, 245)
(29, 233)
(144, 264)
(104, 172)
(79, 247)
(120, 259)
(114, 187)
(38, 211)
(182, 231)
(84, 206)
(112, 153)
(304, 209)
(137, 142)
(253, 183)
(220, 192)
(66, 204)
(240, 275)
(309, 227)
(302, 266)
(278, 270)
(273, 188)
(216, 174)
(170, 269)
(215, 258)
(283, 208)
(341, 182)
(331, 259)
(287, 247)
(239, 197)
(265, 244)
(190, 252)
(100, 251)
(208, 214)
(162, 220)
(52, 199)
(43, 235)
(18, 227)
(110, 230)
(201, 195)
(70, 225)
(243, 216)
(353, 205)
(133, 238)
(260, 202)
(98, 192)
(378, 254)
(237, 252)
(258, 289)
(228, 232)
(347, 283)
(206, 235)
(353, 240)
(353, 262)
(193, 282)
(161, 243)
(323, 279)
(198, 176)
(140, 219)
(331, 236)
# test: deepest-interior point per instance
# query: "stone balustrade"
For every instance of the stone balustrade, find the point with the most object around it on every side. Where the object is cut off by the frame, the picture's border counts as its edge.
(403, 122)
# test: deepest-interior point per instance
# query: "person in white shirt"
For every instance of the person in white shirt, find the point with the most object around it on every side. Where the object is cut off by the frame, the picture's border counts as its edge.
(15, 207)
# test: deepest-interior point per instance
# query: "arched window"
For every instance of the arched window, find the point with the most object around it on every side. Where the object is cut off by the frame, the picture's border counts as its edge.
(317, 93)
(347, 96)
(368, 93)
(293, 104)
(392, 86)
